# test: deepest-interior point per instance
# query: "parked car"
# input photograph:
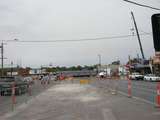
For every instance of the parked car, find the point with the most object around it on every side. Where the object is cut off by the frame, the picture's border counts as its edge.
(6, 84)
(136, 76)
(151, 77)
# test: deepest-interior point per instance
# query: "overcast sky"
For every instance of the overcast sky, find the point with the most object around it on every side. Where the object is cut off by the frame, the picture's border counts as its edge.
(47, 20)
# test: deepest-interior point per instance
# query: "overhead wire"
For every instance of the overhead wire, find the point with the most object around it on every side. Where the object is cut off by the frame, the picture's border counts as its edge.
(76, 40)
(142, 5)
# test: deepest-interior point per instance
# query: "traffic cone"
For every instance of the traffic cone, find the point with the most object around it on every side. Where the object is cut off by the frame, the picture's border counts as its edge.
(158, 96)
(129, 88)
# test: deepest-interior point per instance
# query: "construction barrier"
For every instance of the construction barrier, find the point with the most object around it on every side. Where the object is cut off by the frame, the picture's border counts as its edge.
(84, 81)
(158, 95)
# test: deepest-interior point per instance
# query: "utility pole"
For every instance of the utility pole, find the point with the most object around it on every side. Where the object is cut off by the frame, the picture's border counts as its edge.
(11, 68)
(99, 58)
(2, 57)
(140, 44)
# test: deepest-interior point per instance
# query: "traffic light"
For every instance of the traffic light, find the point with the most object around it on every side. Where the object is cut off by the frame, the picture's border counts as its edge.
(156, 31)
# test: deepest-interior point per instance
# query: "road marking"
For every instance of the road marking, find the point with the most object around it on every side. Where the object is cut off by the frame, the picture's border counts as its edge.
(108, 114)
(137, 98)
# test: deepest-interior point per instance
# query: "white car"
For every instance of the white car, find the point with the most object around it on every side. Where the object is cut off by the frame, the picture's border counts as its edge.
(102, 74)
(151, 77)
(136, 76)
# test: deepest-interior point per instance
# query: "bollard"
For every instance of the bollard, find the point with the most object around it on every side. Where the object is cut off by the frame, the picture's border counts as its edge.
(158, 96)
(129, 87)
(13, 96)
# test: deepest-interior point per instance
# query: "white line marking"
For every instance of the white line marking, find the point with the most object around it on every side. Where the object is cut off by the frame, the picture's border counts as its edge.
(137, 98)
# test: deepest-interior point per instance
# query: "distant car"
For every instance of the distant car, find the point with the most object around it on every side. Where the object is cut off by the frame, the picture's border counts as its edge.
(102, 74)
(151, 77)
(136, 76)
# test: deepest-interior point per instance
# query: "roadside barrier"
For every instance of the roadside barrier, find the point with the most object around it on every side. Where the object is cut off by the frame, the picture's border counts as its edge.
(158, 95)
(84, 82)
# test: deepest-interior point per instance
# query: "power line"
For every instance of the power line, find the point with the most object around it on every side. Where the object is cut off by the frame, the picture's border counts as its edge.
(78, 40)
(142, 5)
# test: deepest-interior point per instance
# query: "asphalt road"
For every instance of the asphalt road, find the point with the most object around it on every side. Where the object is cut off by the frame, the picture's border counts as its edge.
(141, 89)
(74, 101)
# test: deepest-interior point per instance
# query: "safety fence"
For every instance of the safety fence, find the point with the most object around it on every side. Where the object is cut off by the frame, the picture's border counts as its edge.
(12, 95)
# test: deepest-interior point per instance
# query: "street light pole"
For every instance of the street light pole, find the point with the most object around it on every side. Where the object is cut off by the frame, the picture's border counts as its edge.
(99, 58)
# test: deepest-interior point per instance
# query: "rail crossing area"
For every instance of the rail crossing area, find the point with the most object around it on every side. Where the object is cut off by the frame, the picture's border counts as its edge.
(84, 98)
